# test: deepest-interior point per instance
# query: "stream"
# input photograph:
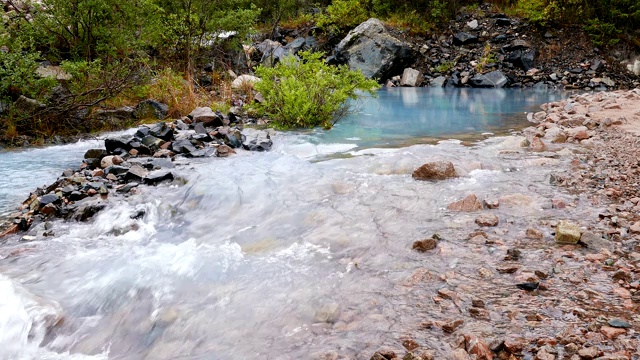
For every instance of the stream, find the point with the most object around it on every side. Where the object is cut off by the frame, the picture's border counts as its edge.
(303, 252)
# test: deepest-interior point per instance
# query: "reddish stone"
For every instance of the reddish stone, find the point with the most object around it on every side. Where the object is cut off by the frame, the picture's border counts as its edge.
(477, 347)
(469, 203)
(435, 170)
(611, 332)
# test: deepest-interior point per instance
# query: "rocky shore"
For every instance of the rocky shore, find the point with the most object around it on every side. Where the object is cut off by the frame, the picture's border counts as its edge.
(564, 287)
(143, 159)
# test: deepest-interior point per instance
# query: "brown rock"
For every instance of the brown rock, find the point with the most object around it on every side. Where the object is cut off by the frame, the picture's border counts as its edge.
(451, 326)
(475, 346)
(536, 144)
(558, 204)
(514, 346)
(10, 230)
(97, 173)
(487, 220)
(224, 151)
(469, 203)
(425, 245)
(460, 354)
(635, 228)
(589, 353)
(133, 152)
(435, 170)
(544, 355)
(611, 332)
(410, 344)
(534, 234)
(492, 203)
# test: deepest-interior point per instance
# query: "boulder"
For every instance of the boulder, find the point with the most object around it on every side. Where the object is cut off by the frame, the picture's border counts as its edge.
(438, 82)
(161, 130)
(117, 145)
(256, 140)
(151, 109)
(464, 38)
(411, 77)
(272, 52)
(206, 116)
(371, 49)
(136, 173)
(435, 170)
(522, 58)
(567, 233)
(243, 81)
(468, 204)
(183, 147)
(95, 154)
(494, 79)
(28, 105)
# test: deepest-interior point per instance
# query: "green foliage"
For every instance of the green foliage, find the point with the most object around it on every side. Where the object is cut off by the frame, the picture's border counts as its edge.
(444, 67)
(342, 15)
(602, 33)
(306, 92)
(18, 76)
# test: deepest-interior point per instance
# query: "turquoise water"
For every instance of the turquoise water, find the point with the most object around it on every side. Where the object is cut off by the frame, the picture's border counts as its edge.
(400, 116)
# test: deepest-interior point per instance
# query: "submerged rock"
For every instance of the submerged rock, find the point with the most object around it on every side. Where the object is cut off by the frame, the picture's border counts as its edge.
(567, 233)
(468, 204)
(435, 170)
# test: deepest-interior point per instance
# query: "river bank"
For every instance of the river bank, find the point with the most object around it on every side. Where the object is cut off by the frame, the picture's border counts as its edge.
(348, 226)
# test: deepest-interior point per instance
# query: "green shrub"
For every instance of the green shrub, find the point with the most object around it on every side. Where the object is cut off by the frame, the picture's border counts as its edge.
(342, 15)
(18, 76)
(306, 92)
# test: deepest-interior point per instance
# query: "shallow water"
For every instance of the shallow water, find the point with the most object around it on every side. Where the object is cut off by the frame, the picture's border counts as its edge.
(273, 255)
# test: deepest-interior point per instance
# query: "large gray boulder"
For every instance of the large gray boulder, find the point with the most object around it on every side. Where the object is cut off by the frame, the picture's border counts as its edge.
(494, 79)
(272, 52)
(371, 49)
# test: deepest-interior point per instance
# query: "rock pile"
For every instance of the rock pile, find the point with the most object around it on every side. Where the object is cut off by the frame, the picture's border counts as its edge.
(145, 158)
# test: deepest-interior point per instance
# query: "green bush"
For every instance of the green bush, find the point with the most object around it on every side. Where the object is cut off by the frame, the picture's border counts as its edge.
(342, 15)
(306, 92)
(18, 76)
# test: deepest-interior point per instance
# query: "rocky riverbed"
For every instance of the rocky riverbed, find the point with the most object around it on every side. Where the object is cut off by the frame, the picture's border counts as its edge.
(558, 283)
(575, 276)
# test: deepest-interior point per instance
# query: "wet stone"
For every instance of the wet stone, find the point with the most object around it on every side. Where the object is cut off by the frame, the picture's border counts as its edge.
(435, 170)
(567, 233)
(487, 220)
(49, 199)
(126, 188)
(157, 177)
(136, 173)
(619, 323)
(468, 204)
(451, 326)
(425, 245)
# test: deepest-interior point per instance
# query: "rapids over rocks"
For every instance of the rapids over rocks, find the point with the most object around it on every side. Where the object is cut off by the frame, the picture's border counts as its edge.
(300, 252)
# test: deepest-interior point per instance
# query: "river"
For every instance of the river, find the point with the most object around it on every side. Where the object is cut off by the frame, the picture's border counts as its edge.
(298, 253)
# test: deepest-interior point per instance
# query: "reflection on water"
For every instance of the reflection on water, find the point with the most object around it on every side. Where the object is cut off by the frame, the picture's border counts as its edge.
(405, 115)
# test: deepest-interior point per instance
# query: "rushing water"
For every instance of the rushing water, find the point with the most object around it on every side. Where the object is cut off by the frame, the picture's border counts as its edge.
(265, 255)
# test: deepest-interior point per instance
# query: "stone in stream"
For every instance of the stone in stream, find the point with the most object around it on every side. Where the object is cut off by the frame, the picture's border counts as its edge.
(156, 177)
(425, 245)
(435, 170)
(152, 142)
(136, 173)
(488, 220)
(49, 199)
(567, 233)
(116, 146)
(183, 147)
(475, 346)
(619, 323)
(224, 151)
(468, 204)
(161, 131)
(95, 154)
(256, 140)
(115, 170)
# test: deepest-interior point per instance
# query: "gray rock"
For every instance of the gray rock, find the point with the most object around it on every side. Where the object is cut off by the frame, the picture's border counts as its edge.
(438, 82)
(27, 105)
(494, 79)
(122, 113)
(256, 140)
(371, 49)
(206, 116)
(183, 147)
(95, 154)
(157, 177)
(296, 45)
(161, 130)
(619, 323)
(411, 77)
(151, 109)
(522, 58)
(136, 173)
(464, 38)
(152, 142)
(272, 52)
(49, 199)
(117, 145)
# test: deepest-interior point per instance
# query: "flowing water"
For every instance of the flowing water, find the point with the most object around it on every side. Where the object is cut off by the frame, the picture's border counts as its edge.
(301, 252)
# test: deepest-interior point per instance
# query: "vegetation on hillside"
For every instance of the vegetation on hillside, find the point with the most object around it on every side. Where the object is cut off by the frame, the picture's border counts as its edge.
(120, 51)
